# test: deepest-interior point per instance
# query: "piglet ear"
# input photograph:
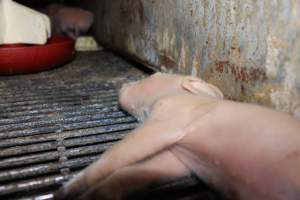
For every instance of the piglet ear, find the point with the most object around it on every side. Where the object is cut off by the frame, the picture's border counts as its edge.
(198, 87)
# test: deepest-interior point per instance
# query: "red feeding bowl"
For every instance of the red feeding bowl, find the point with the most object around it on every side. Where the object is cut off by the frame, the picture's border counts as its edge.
(19, 58)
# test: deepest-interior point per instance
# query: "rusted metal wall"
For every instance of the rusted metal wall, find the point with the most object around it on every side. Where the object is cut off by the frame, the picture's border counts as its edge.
(248, 48)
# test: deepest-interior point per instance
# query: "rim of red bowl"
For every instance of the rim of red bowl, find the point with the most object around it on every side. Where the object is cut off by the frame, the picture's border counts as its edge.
(54, 40)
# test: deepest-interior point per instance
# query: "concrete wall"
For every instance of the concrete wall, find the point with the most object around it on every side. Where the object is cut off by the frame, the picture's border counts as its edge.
(250, 49)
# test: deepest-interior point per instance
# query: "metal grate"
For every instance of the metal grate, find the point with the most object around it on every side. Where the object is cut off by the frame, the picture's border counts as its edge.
(47, 135)
(53, 124)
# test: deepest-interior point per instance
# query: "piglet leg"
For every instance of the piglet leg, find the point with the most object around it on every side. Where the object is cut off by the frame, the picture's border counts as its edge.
(160, 168)
(149, 139)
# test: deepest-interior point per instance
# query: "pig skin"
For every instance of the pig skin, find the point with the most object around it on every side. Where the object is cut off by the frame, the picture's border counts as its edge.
(247, 151)
(70, 21)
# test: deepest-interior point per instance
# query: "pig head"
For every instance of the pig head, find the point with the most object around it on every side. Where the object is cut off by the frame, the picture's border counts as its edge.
(70, 21)
(138, 97)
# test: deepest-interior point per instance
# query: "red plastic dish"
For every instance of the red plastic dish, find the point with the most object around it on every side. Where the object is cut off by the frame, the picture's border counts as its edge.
(19, 58)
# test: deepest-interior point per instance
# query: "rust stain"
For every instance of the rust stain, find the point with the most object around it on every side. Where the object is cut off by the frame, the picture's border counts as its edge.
(167, 62)
(241, 83)
(243, 74)
(243, 89)
(231, 98)
(132, 11)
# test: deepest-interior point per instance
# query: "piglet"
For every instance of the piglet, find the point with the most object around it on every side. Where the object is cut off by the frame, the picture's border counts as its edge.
(70, 21)
(246, 151)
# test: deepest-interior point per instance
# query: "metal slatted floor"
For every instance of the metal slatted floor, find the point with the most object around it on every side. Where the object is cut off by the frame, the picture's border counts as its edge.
(55, 123)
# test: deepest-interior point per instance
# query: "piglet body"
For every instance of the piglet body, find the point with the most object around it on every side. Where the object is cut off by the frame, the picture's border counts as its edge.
(70, 21)
(246, 151)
